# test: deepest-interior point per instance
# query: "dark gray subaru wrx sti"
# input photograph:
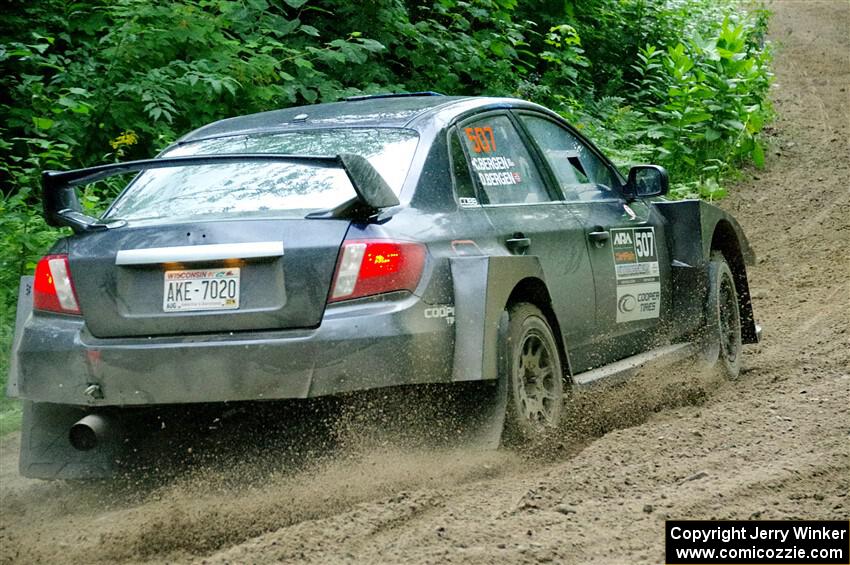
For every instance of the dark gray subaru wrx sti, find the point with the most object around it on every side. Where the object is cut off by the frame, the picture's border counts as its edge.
(381, 241)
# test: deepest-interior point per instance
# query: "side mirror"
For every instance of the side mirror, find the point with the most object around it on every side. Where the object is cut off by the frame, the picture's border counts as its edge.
(647, 180)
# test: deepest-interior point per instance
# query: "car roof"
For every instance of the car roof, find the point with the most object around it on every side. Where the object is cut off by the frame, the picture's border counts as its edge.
(393, 111)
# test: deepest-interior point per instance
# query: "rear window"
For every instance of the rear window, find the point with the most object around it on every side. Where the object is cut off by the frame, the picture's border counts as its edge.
(262, 188)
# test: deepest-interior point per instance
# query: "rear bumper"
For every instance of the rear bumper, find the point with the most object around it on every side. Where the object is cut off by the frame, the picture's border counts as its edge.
(357, 347)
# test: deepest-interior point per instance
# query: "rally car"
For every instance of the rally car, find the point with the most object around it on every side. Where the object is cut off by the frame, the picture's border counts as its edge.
(375, 242)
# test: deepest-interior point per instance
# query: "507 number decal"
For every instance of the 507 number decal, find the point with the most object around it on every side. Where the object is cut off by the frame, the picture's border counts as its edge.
(644, 244)
(482, 139)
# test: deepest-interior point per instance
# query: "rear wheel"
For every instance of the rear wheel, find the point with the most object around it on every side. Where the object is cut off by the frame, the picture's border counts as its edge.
(533, 372)
(723, 329)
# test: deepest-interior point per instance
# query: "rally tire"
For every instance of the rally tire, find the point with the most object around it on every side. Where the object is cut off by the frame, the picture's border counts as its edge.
(723, 343)
(532, 368)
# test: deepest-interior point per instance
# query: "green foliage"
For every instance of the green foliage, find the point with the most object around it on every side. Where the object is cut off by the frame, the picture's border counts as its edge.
(707, 102)
(119, 80)
(695, 99)
(679, 82)
(160, 69)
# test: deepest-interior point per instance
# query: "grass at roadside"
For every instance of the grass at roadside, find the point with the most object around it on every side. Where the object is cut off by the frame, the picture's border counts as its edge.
(10, 409)
(10, 416)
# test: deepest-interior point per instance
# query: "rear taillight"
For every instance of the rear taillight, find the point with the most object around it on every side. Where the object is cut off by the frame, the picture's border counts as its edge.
(368, 267)
(53, 289)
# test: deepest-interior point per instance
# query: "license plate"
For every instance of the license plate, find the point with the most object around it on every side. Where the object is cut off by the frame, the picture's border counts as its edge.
(201, 289)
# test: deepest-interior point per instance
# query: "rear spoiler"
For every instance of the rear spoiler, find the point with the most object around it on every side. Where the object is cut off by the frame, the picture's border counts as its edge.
(62, 207)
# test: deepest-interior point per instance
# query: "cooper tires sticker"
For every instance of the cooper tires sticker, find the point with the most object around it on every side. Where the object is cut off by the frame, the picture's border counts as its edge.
(445, 312)
(636, 268)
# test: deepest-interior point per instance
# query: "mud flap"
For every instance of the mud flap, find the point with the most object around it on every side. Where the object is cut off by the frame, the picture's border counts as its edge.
(22, 315)
(482, 287)
(482, 409)
(692, 225)
(46, 452)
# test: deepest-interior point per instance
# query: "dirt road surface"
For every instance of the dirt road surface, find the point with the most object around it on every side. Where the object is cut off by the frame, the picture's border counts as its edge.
(773, 445)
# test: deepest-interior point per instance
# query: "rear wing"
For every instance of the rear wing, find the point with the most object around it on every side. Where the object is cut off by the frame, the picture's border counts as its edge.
(62, 207)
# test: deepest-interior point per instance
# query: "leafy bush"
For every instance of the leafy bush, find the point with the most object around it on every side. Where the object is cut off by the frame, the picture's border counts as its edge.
(706, 98)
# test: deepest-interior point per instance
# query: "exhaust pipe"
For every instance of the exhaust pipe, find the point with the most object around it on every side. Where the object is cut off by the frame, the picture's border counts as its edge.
(92, 430)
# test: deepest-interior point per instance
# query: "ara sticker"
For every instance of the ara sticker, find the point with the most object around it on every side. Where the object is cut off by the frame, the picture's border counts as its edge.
(466, 201)
(637, 274)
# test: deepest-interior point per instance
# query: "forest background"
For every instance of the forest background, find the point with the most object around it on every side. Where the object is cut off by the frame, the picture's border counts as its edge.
(680, 83)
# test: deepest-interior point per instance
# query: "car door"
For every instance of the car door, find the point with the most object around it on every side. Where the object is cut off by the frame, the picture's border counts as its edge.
(530, 218)
(625, 242)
